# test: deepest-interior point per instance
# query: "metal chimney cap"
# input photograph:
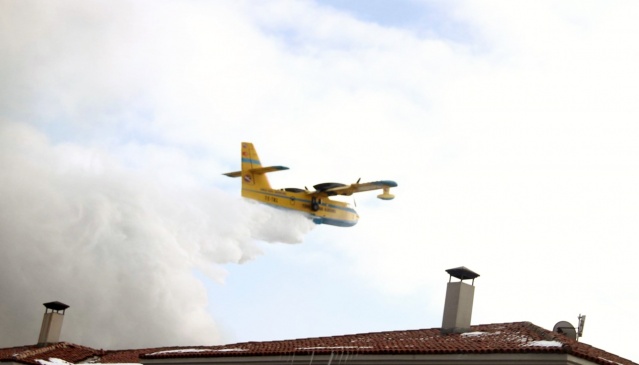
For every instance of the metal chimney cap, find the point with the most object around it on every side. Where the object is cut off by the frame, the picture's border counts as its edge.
(56, 306)
(462, 273)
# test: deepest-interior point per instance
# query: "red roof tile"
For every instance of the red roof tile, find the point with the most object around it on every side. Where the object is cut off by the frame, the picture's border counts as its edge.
(62, 350)
(520, 337)
(73, 354)
(128, 356)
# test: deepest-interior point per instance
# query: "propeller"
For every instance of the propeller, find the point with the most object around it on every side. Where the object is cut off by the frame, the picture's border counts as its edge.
(355, 201)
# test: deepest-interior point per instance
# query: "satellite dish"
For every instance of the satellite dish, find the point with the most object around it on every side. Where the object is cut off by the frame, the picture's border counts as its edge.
(566, 329)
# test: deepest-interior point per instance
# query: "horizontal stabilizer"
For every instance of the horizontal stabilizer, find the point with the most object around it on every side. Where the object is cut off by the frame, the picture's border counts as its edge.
(259, 170)
(264, 170)
(233, 174)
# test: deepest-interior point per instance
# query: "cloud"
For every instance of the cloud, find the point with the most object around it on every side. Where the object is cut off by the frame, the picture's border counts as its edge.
(106, 137)
(118, 246)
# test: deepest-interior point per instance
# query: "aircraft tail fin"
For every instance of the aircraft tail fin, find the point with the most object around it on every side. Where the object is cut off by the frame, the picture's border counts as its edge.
(252, 173)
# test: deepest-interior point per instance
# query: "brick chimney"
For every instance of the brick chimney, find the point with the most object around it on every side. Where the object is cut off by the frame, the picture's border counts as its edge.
(458, 308)
(52, 323)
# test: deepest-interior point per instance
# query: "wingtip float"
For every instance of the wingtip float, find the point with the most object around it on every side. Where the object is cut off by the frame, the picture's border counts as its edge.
(317, 204)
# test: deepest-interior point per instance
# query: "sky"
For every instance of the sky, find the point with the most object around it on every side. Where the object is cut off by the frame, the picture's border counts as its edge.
(510, 128)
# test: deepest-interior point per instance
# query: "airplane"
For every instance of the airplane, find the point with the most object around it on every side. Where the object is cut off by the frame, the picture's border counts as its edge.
(316, 204)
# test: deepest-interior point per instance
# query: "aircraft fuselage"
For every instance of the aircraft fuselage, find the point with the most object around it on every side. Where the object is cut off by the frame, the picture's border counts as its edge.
(325, 210)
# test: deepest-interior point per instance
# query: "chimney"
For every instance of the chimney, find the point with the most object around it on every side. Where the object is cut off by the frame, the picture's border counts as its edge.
(52, 323)
(458, 308)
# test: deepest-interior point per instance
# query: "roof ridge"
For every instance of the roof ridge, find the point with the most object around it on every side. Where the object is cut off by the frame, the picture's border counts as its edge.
(39, 350)
(542, 332)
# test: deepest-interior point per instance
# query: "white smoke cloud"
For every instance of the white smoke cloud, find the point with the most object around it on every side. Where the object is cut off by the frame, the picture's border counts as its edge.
(118, 246)
(103, 198)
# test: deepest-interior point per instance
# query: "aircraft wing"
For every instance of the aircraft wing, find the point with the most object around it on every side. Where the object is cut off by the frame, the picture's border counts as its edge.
(360, 187)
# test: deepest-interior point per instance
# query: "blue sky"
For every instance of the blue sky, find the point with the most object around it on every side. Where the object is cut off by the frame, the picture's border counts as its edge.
(509, 127)
(402, 14)
(308, 295)
(422, 18)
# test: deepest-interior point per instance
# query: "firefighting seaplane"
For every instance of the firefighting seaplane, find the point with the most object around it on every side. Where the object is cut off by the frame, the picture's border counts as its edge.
(316, 204)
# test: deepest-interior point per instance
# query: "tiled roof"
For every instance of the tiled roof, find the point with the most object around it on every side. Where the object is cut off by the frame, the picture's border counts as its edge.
(128, 356)
(520, 337)
(124, 356)
(62, 350)
(505, 338)
(32, 355)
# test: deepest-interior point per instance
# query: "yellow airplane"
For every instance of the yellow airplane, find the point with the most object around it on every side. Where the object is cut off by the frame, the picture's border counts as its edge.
(317, 204)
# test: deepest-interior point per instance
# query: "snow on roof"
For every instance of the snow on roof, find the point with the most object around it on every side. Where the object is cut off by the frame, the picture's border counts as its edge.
(610, 361)
(192, 350)
(53, 361)
(473, 334)
(56, 361)
(231, 349)
(179, 351)
(545, 344)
